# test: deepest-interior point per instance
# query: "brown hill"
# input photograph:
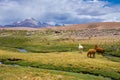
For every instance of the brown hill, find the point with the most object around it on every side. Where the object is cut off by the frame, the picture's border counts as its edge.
(100, 25)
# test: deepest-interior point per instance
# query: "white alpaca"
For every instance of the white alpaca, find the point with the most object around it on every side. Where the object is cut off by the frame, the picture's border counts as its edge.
(80, 47)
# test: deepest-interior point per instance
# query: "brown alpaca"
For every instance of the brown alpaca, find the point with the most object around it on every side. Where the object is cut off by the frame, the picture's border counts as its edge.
(99, 50)
(91, 53)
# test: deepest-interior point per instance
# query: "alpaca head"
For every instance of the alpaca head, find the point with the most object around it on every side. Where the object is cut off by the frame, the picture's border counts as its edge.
(96, 46)
(99, 49)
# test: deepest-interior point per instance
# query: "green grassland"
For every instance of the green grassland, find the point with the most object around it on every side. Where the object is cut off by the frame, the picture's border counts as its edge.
(56, 54)
(27, 73)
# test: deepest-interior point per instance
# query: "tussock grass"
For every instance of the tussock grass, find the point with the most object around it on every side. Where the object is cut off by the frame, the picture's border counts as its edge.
(66, 61)
(25, 73)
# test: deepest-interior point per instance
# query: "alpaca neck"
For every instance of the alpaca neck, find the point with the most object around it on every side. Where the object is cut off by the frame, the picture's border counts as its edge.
(80, 46)
(96, 47)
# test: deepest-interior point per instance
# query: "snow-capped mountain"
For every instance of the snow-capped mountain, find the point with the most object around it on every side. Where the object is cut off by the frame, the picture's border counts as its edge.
(31, 22)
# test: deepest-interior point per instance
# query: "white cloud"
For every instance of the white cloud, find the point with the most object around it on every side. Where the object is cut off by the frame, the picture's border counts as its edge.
(111, 17)
(61, 11)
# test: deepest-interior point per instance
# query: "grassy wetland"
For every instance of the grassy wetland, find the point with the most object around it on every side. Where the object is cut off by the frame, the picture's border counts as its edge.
(53, 55)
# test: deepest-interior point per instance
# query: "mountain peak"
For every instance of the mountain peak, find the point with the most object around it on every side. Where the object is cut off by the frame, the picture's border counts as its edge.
(30, 22)
(30, 18)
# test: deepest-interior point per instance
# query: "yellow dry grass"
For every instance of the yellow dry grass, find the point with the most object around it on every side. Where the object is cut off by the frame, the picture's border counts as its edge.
(65, 59)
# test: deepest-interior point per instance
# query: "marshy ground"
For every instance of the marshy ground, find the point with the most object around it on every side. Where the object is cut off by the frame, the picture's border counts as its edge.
(53, 55)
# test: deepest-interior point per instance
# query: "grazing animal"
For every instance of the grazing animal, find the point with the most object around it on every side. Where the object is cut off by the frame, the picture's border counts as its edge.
(91, 53)
(80, 47)
(99, 50)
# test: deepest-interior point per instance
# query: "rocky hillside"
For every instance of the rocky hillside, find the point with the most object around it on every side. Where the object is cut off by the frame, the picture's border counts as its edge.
(82, 30)
(100, 25)
(91, 29)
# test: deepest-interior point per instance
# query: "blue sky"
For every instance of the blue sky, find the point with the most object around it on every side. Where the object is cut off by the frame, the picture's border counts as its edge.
(114, 1)
(60, 11)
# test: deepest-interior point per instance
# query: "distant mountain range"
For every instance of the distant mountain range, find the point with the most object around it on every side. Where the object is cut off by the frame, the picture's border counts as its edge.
(31, 22)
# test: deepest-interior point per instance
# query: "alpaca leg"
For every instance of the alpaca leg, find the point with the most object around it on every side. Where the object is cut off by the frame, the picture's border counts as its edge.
(80, 50)
(87, 54)
(93, 55)
(102, 53)
(90, 56)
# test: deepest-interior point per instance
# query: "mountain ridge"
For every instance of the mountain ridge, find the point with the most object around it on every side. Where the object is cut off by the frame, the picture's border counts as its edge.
(98, 25)
(30, 22)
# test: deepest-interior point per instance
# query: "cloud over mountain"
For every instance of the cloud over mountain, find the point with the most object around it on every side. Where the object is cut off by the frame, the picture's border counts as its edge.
(59, 11)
